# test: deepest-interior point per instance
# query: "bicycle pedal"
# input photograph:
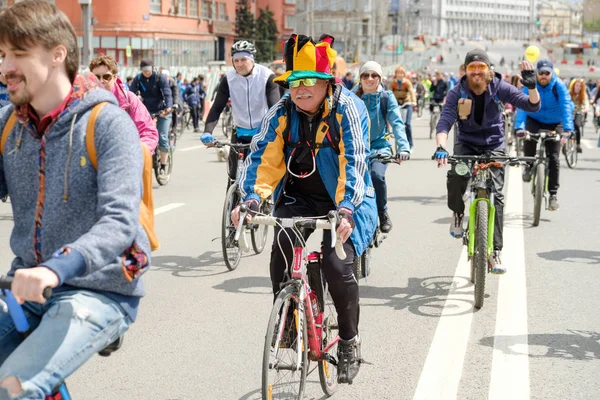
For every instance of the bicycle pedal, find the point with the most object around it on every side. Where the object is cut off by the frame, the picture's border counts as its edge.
(363, 361)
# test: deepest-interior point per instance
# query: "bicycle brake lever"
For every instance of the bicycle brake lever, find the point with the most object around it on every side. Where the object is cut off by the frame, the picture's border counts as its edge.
(335, 241)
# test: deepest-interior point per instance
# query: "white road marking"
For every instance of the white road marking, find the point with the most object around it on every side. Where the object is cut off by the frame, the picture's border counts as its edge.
(192, 148)
(444, 364)
(588, 143)
(510, 365)
(168, 207)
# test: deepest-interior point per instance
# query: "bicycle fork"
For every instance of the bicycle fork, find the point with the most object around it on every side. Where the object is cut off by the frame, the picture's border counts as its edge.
(473, 221)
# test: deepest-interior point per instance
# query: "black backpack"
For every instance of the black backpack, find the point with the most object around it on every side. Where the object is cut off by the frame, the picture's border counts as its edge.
(333, 131)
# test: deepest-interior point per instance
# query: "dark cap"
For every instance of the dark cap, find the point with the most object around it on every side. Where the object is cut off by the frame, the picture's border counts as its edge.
(477, 55)
(545, 65)
(146, 62)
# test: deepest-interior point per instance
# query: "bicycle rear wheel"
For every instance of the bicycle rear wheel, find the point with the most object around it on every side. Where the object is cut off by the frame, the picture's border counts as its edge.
(328, 371)
(432, 124)
(259, 233)
(538, 192)
(282, 377)
(480, 258)
(571, 152)
(232, 253)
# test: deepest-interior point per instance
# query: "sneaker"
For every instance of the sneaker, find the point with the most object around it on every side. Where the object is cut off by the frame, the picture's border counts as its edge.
(162, 173)
(348, 359)
(385, 222)
(527, 174)
(553, 204)
(579, 149)
(456, 228)
(496, 264)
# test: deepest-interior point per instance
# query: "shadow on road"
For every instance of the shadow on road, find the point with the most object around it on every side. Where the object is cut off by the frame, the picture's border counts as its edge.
(572, 256)
(576, 345)
(6, 217)
(423, 200)
(521, 220)
(247, 284)
(425, 297)
(208, 263)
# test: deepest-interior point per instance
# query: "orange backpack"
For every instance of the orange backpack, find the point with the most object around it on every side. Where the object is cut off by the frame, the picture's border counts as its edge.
(147, 203)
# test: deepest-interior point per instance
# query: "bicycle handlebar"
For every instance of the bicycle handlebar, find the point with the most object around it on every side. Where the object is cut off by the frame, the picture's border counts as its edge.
(500, 159)
(235, 146)
(6, 284)
(309, 223)
(384, 159)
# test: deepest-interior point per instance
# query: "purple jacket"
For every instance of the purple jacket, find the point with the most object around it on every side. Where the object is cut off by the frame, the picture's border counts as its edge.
(490, 134)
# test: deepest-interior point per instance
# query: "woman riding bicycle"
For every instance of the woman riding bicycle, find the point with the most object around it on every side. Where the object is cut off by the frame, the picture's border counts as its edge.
(582, 105)
(383, 109)
(402, 88)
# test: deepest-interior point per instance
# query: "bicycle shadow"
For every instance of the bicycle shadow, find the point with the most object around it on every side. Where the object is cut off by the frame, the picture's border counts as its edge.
(576, 345)
(247, 284)
(209, 263)
(521, 220)
(572, 256)
(422, 200)
(257, 394)
(426, 297)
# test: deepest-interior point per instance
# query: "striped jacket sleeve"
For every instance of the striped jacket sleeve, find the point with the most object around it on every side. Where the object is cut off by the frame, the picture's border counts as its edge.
(265, 165)
(354, 151)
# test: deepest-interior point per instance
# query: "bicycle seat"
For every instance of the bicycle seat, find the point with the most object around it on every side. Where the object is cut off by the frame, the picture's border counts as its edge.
(111, 348)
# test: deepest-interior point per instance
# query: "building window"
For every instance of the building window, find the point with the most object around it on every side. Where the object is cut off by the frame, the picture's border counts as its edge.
(3, 3)
(222, 13)
(205, 11)
(182, 7)
(155, 6)
(194, 8)
(290, 22)
(290, 1)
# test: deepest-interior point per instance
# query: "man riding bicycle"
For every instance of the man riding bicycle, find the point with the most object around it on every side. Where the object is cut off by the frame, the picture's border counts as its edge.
(438, 89)
(156, 94)
(477, 101)
(76, 228)
(556, 114)
(313, 161)
(252, 92)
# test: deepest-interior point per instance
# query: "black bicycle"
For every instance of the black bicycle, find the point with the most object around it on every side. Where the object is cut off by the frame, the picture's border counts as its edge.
(164, 178)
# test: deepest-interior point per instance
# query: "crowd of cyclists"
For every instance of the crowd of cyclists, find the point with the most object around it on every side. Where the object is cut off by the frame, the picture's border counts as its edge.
(314, 143)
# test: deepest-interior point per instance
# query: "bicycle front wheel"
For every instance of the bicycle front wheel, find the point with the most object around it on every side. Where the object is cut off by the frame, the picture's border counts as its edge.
(480, 258)
(284, 369)
(232, 253)
(571, 152)
(259, 233)
(538, 192)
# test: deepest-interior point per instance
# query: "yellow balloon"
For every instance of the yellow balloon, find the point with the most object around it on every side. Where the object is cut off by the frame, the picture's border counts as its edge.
(557, 71)
(532, 53)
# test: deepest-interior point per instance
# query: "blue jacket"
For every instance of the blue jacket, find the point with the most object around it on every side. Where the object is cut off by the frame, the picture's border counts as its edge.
(553, 110)
(346, 176)
(3, 96)
(155, 91)
(379, 143)
(490, 134)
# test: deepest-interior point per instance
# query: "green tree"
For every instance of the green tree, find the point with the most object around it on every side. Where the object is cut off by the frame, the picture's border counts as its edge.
(266, 36)
(244, 21)
(592, 26)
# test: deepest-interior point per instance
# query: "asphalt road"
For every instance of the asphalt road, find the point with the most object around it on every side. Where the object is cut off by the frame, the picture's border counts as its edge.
(200, 330)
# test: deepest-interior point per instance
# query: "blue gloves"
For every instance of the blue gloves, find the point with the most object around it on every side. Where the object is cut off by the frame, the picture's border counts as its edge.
(440, 152)
(207, 138)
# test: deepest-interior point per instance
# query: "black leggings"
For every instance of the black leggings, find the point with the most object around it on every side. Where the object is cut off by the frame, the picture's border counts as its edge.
(338, 273)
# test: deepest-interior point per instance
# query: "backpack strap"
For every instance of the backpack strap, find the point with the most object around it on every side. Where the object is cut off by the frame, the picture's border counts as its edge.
(383, 104)
(555, 91)
(10, 124)
(89, 134)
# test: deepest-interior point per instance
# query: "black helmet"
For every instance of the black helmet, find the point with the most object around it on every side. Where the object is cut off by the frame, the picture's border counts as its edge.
(243, 46)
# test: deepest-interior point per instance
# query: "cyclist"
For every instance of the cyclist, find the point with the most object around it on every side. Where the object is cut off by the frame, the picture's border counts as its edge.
(402, 88)
(420, 92)
(177, 98)
(75, 230)
(438, 89)
(581, 102)
(193, 96)
(252, 92)
(105, 69)
(156, 94)
(375, 97)
(556, 114)
(477, 103)
(3, 92)
(308, 177)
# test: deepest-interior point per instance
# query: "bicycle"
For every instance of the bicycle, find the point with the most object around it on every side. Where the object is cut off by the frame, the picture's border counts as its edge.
(303, 309)
(479, 235)
(227, 120)
(508, 128)
(232, 251)
(434, 118)
(10, 305)
(539, 177)
(570, 147)
(163, 180)
(420, 105)
(184, 120)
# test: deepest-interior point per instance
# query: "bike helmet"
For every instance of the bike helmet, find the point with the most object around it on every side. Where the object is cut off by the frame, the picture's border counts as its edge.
(243, 46)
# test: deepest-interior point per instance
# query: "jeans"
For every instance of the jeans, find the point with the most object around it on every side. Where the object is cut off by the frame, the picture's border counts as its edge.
(407, 126)
(194, 113)
(552, 151)
(457, 185)
(378, 176)
(163, 126)
(67, 331)
(338, 273)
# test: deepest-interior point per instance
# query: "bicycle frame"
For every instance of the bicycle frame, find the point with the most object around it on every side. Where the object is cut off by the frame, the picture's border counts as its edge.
(541, 138)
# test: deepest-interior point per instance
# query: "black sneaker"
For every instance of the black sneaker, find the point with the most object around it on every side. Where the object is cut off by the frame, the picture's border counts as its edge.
(553, 203)
(385, 222)
(348, 359)
(579, 148)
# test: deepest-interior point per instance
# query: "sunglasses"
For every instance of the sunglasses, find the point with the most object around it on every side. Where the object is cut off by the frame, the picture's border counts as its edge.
(371, 75)
(475, 67)
(308, 82)
(106, 77)
(544, 73)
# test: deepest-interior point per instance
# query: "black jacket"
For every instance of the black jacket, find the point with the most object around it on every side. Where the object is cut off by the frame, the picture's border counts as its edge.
(155, 91)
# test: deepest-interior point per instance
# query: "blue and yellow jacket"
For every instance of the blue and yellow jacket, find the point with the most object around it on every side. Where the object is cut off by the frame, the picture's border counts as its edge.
(346, 176)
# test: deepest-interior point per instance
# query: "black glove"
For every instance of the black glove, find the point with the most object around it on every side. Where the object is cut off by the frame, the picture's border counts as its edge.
(344, 213)
(528, 78)
(253, 207)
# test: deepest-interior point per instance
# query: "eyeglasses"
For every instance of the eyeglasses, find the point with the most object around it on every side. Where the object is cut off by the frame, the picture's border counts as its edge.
(105, 77)
(371, 75)
(306, 82)
(475, 67)
(544, 73)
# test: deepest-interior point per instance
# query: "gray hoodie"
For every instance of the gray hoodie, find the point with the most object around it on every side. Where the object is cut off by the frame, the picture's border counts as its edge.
(83, 221)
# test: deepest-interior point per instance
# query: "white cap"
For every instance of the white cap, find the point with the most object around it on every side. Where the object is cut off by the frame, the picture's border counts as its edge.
(371, 66)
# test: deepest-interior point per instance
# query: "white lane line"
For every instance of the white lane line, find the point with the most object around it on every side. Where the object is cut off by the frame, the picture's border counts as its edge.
(191, 148)
(444, 364)
(510, 365)
(588, 143)
(168, 207)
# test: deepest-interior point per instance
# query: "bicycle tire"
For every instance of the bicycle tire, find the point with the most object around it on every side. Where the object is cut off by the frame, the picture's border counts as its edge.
(420, 105)
(538, 192)
(365, 262)
(571, 152)
(227, 125)
(480, 258)
(259, 238)
(356, 267)
(228, 230)
(270, 347)
(162, 181)
(327, 371)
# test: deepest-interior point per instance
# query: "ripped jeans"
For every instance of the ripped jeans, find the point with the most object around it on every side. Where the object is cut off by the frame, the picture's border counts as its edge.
(68, 330)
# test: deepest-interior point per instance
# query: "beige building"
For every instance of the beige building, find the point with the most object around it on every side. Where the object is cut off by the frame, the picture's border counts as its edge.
(560, 19)
(591, 10)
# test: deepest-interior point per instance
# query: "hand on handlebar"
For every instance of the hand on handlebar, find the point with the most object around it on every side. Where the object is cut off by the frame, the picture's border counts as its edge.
(346, 225)
(441, 156)
(253, 208)
(521, 133)
(403, 156)
(208, 139)
(565, 136)
(29, 284)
